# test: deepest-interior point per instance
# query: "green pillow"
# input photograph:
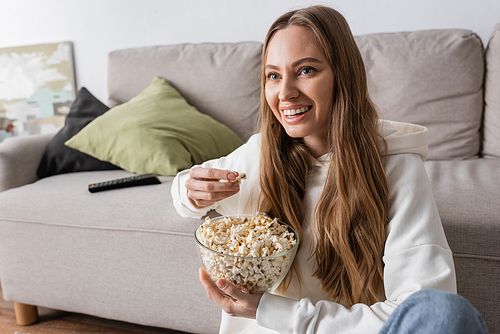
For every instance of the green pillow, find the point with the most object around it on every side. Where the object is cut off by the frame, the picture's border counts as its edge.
(155, 132)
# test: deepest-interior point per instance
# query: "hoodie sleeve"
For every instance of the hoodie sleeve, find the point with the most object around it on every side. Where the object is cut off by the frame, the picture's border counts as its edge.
(244, 159)
(416, 257)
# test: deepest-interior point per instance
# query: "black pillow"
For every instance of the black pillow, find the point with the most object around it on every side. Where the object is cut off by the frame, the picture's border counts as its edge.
(58, 158)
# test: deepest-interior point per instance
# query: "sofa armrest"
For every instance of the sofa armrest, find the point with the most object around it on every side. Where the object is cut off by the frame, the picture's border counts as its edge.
(19, 159)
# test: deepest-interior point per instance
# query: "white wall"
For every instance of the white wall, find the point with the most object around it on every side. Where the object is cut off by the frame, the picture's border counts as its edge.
(98, 26)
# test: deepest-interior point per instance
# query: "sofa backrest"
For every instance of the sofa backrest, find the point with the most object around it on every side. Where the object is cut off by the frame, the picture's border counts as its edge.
(433, 78)
(220, 80)
(491, 141)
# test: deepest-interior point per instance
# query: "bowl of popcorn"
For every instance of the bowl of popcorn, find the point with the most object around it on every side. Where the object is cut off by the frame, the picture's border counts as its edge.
(252, 252)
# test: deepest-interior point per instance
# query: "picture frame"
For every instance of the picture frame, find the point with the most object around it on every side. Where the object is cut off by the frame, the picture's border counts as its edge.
(37, 87)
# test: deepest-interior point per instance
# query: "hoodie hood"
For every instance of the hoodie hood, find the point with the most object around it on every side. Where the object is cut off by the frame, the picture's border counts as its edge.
(404, 138)
(400, 138)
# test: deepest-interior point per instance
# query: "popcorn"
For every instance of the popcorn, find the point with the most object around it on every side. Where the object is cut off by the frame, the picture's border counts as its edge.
(239, 177)
(249, 251)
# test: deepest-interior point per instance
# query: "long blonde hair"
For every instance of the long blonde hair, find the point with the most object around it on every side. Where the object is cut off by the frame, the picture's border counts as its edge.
(352, 212)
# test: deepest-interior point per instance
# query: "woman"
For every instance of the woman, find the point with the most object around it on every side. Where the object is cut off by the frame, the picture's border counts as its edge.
(353, 187)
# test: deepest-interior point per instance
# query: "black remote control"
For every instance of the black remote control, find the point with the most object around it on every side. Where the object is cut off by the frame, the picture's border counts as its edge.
(132, 181)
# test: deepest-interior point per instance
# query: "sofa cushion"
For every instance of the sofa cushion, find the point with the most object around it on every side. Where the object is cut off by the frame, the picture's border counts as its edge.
(113, 209)
(155, 132)
(58, 158)
(123, 250)
(432, 78)
(466, 194)
(220, 80)
(491, 143)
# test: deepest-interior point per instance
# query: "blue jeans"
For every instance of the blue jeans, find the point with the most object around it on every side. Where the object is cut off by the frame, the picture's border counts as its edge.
(434, 311)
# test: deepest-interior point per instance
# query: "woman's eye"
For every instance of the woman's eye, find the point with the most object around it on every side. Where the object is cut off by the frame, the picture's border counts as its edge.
(272, 76)
(306, 70)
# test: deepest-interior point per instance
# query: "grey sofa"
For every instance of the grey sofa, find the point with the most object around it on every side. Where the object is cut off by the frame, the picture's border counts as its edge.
(126, 254)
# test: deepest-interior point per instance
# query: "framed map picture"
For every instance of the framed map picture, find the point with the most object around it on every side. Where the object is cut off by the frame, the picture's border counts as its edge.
(37, 87)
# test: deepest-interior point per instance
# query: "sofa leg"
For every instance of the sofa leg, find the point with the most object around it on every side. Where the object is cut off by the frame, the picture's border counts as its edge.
(25, 314)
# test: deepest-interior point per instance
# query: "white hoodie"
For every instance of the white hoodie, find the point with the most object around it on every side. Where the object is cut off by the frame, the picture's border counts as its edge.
(416, 254)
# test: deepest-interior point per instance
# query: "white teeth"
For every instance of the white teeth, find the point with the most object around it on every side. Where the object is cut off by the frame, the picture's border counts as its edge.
(293, 112)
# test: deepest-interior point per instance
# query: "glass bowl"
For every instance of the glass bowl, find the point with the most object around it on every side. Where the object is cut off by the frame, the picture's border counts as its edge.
(251, 274)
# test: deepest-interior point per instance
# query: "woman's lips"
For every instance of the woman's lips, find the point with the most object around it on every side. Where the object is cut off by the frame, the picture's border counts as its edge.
(293, 115)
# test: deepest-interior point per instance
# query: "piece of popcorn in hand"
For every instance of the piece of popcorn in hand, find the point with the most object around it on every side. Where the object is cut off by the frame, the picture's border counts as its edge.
(239, 177)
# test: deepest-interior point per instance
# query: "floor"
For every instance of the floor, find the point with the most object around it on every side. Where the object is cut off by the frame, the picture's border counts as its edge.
(58, 322)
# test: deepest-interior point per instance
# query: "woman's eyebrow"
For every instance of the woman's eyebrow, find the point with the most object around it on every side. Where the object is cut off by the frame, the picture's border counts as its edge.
(306, 60)
(271, 67)
(297, 62)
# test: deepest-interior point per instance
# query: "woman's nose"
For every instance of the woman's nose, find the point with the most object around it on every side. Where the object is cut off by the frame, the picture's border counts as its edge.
(288, 89)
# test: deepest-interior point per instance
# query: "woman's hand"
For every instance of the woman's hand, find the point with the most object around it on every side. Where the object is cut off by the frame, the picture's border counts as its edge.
(242, 305)
(204, 187)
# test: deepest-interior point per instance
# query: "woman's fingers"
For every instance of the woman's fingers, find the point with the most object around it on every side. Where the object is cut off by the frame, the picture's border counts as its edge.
(230, 289)
(240, 304)
(204, 186)
(212, 174)
(211, 288)
(204, 193)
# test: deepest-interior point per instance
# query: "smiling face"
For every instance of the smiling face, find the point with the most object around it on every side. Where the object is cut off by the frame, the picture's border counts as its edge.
(299, 86)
